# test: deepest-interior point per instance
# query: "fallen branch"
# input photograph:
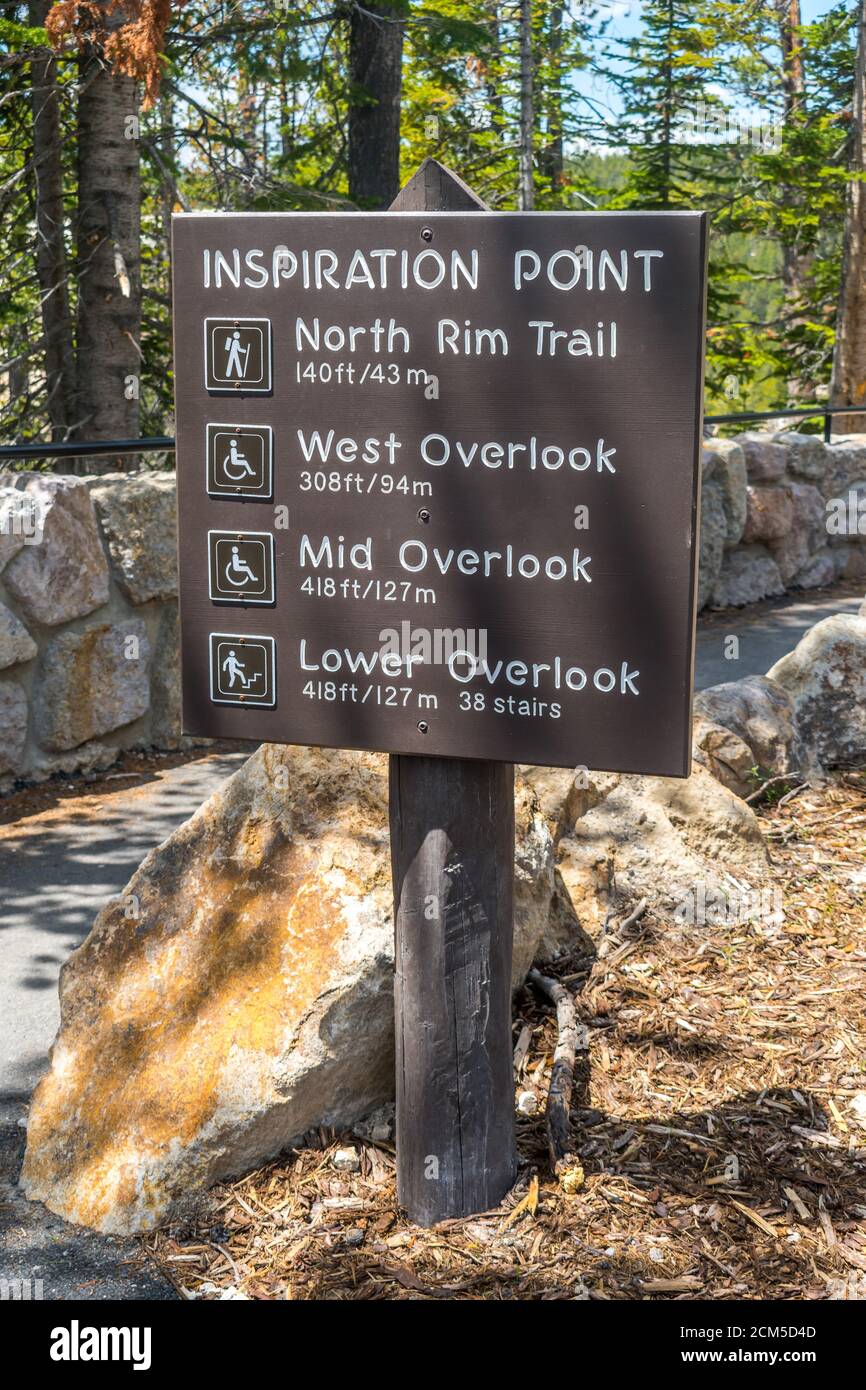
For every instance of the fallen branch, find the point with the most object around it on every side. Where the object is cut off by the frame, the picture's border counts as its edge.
(795, 791)
(765, 786)
(562, 1075)
(634, 916)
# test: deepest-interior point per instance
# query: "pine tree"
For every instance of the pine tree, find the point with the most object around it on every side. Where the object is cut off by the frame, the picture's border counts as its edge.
(663, 76)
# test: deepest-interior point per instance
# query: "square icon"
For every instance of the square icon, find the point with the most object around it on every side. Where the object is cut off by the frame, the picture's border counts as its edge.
(237, 354)
(240, 461)
(241, 566)
(242, 670)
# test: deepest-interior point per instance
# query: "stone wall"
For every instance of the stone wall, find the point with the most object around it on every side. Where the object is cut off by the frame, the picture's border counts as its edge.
(88, 586)
(772, 515)
(88, 621)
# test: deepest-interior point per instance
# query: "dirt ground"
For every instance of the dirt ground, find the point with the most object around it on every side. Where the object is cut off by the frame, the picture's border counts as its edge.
(719, 1114)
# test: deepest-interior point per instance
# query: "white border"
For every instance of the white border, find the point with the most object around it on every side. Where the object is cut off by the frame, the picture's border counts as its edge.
(241, 389)
(239, 599)
(242, 637)
(234, 493)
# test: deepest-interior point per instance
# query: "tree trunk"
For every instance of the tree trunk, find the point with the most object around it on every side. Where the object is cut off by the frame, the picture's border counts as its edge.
(51, 266)
(554, 162)
(525, 182)
(109, 288)
(793, 75)
(167, 181)
(795, 265)
(849, 360)
(375, 78)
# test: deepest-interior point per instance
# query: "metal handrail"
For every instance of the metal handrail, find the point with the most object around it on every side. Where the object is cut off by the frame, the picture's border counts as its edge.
(81, 448)
(827, 411)
(165, 443)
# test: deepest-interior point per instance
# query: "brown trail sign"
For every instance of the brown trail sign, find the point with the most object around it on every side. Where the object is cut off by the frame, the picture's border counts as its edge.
(438, 489)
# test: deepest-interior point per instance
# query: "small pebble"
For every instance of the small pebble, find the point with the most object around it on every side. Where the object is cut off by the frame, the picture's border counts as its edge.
(527, 1103)
(346, 1161)
(354, 1236)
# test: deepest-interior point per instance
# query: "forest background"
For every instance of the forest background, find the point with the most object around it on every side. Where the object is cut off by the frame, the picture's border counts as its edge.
(115, 113)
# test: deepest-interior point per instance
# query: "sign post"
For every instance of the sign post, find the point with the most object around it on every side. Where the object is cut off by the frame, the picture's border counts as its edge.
(452, 862)
(438, 483)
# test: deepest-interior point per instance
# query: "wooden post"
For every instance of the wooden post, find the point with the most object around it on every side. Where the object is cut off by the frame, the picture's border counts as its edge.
(452, 860)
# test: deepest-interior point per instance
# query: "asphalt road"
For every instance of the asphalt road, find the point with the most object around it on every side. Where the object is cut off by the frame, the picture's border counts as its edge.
(59, 865)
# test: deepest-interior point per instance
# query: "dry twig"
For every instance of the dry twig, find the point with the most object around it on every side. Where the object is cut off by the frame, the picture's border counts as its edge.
(562, 1074)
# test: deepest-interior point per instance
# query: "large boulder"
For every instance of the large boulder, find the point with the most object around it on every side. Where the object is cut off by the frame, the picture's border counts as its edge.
(845, 531)
(846, 466)
(659, 838)
(92, 682)
(165, 685)
(850, 560)
(138, 513)
(714, 530)
(769, 514)
(729, 469)
(18, 521)
(748, 575)
(820, 570)
(766, 460)
(723, 753)
(758, 716)
(807, 455)
(534, 886)
(807, 533)
(825, 677)
(65, 575)
(238, 992)
(13, 726)
(16, 644)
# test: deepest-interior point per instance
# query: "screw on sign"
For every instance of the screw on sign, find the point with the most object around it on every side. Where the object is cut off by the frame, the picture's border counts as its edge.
(485, 428)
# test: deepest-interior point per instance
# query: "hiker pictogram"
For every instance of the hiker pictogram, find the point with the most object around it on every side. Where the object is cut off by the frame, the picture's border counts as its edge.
(237, 357)
(238, 354)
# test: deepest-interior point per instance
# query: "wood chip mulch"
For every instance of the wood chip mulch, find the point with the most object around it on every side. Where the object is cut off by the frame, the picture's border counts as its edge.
(719, 1115)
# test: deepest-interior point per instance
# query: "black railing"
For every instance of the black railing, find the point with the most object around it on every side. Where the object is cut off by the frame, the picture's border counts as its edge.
(827, 411)
(165, 444)
(81, 448)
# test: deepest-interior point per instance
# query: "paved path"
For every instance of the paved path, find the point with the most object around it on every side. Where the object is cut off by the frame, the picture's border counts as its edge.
(764, 635)
(58, 867)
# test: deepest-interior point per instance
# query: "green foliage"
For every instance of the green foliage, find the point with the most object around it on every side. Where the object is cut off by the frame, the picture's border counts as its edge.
(253, 115)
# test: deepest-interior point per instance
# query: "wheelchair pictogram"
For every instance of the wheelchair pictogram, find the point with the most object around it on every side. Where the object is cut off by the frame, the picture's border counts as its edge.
(241, 566)
(239, 460)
